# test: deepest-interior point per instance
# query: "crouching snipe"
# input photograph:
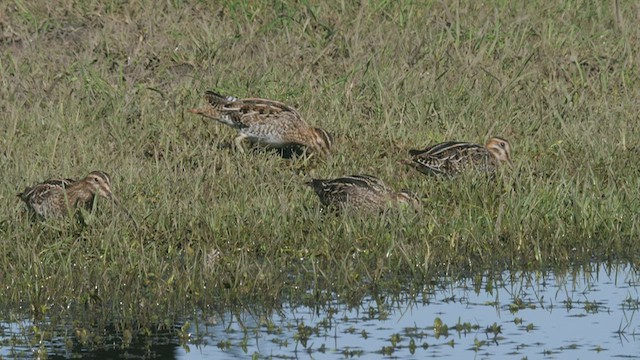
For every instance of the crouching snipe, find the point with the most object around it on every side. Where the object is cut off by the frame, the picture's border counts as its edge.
(266, 122)
(359, 192)
(59, 197)
(451, 158)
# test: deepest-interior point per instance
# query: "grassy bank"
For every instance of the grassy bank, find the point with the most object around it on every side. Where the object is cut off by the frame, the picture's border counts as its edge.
(106, 86)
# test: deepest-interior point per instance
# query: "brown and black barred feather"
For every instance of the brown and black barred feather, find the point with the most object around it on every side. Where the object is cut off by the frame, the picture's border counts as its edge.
(450, 158)
(358, 192)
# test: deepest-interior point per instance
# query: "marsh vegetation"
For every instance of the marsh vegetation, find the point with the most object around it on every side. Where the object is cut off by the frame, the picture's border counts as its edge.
(106, 85)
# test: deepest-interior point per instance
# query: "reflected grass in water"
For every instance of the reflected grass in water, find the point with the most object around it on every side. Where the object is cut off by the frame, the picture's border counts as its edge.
(576, 313)
(523, 315)
(105, 87)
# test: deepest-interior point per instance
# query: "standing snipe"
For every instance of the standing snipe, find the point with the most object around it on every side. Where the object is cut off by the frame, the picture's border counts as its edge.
(359, 192)
(56, 197)
(268, 122)
(451, 158)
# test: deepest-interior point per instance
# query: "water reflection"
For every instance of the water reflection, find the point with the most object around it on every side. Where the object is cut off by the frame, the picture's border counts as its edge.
(585, 314)
(580, 315)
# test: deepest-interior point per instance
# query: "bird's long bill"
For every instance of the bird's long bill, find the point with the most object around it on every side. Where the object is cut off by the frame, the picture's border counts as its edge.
(119, 205)
(510, 163)
(114, 199)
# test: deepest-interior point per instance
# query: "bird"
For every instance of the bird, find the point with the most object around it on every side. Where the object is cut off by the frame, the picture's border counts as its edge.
(266, 122)
(360, 193)
(58, 197)
(452, 158)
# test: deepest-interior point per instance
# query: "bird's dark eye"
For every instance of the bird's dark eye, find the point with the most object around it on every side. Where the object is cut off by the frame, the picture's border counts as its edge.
(96, 180)
(503, 144)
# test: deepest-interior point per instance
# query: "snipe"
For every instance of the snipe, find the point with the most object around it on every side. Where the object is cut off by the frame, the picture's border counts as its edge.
(359, 192)
(451, 158)
(59, 197)
(267, 122)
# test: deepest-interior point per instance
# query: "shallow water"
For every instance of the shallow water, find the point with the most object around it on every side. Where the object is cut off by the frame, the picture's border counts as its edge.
(583, 315)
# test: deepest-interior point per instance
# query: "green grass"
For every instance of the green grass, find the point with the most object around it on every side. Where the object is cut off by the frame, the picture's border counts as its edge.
(106, 85)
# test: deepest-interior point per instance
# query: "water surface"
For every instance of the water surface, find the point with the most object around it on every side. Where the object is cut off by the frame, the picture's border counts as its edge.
(583, 315)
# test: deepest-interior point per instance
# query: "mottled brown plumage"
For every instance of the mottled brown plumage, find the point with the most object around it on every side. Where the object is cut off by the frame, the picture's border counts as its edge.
(451, 158)
(267, 122)
(57, 197)
(359, 192)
